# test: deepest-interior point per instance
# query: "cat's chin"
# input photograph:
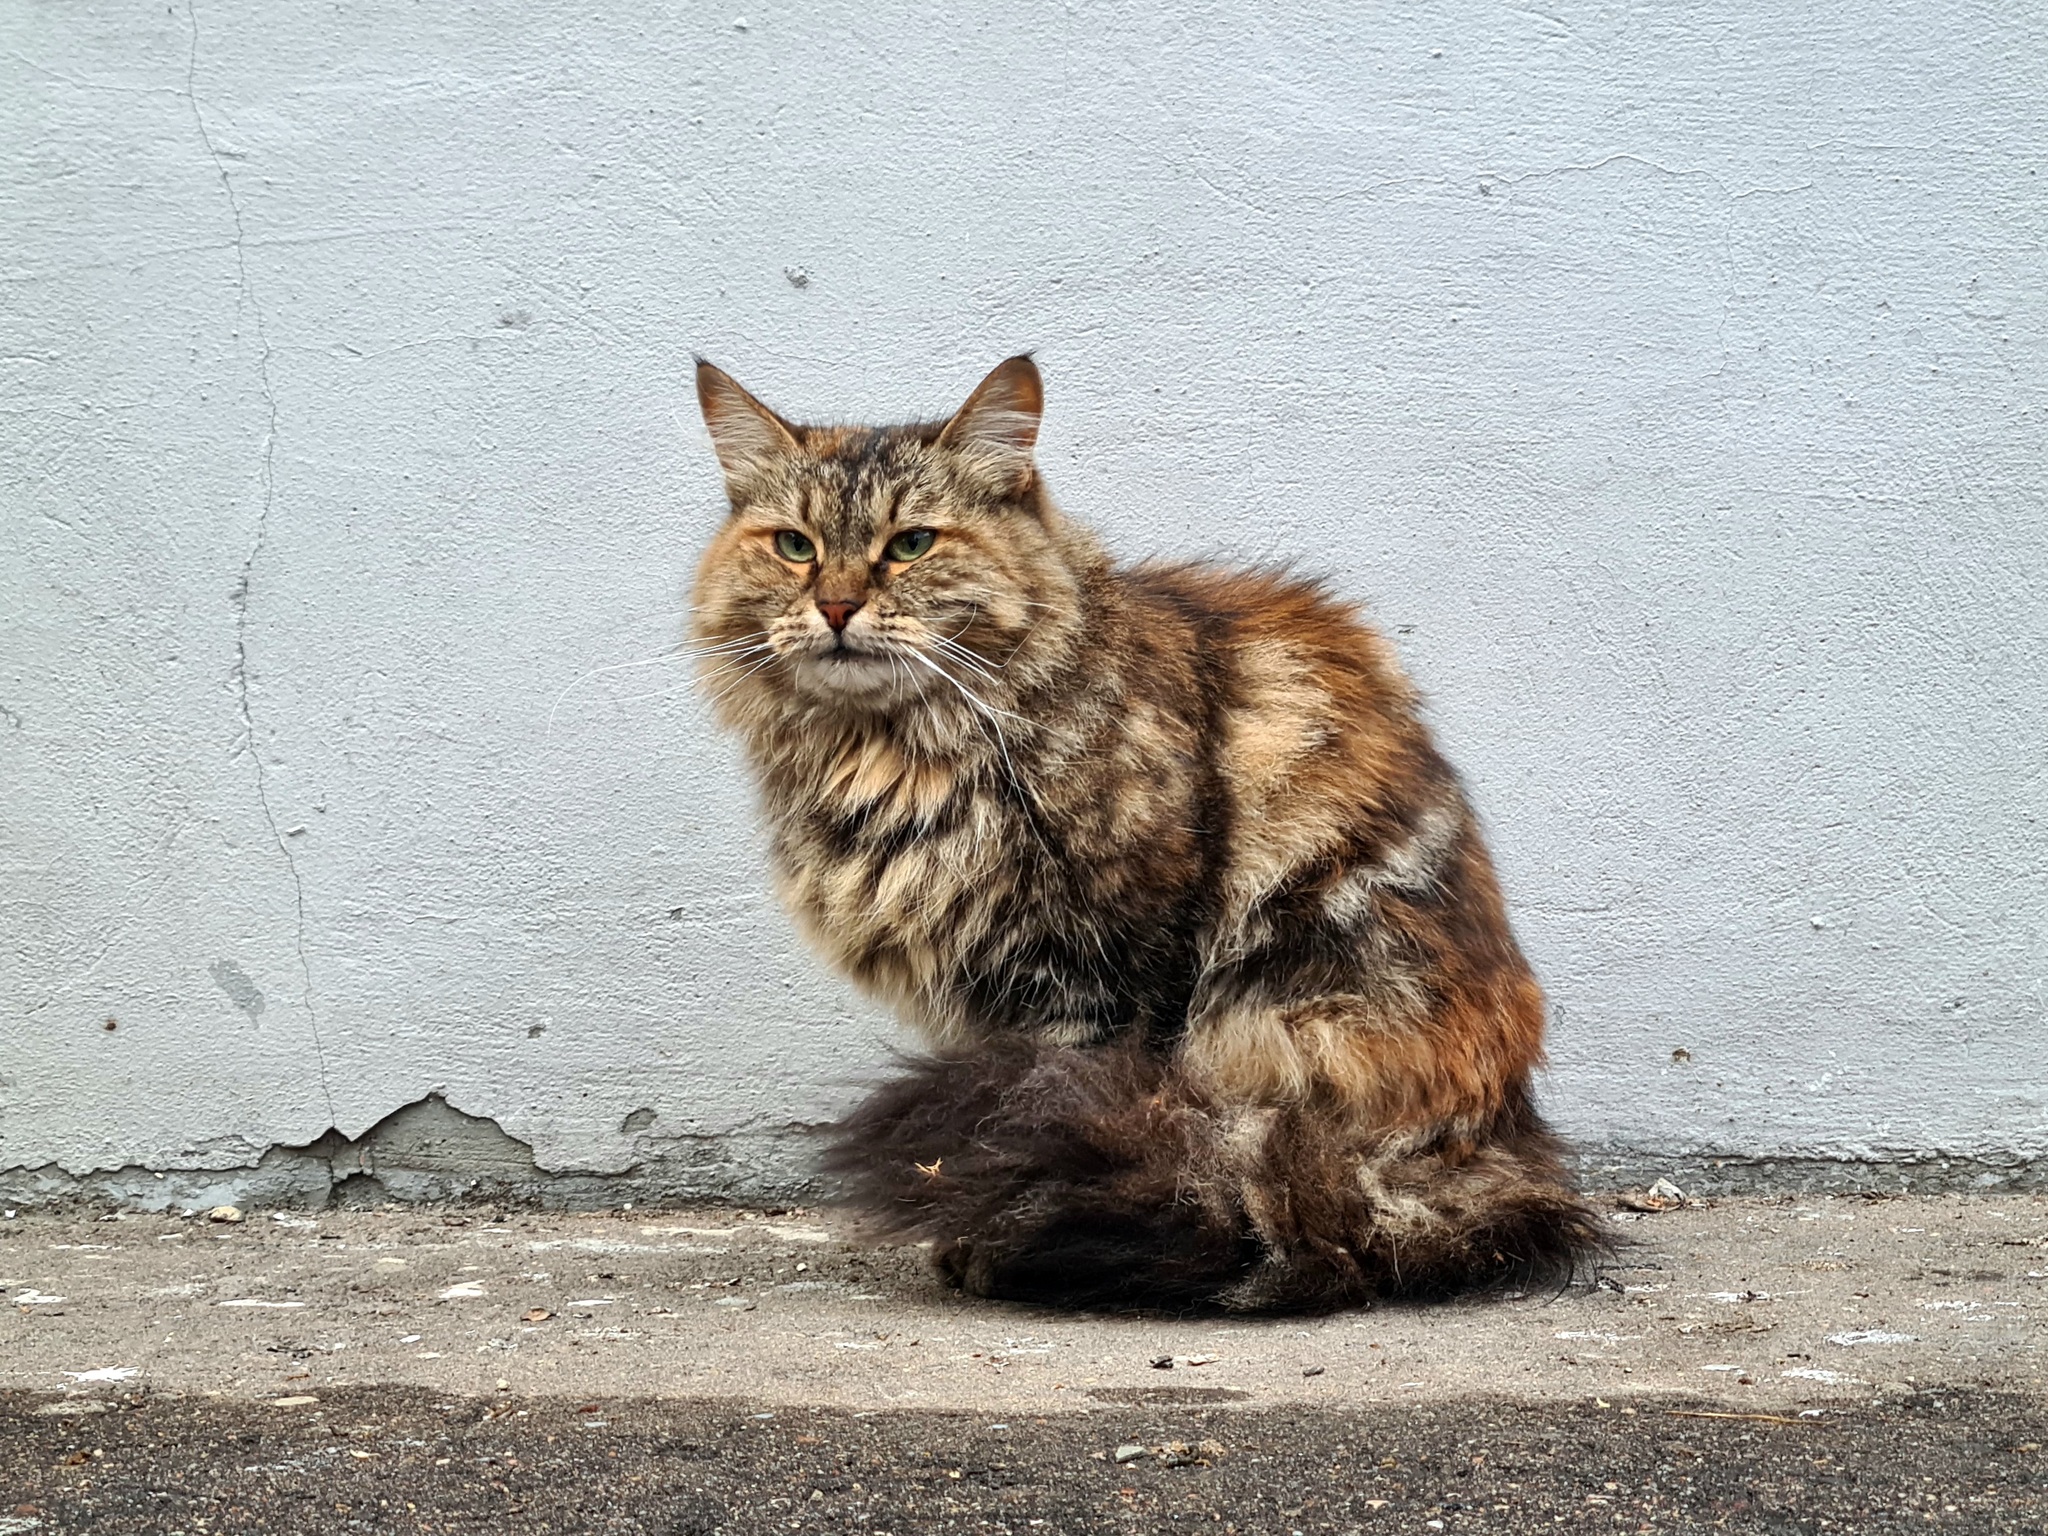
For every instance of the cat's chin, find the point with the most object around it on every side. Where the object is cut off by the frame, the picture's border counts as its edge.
(856, 677)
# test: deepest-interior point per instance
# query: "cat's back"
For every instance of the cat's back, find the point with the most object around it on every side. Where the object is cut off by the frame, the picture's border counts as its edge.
(1314, 727)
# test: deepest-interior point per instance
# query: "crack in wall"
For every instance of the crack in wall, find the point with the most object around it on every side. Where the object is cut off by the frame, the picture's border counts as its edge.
(239, 672)
(1674, 171)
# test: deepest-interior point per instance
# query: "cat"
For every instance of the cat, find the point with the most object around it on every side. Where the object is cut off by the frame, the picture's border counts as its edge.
(1223, 1007)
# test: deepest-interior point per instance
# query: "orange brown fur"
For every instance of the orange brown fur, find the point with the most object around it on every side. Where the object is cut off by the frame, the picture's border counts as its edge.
(1160, 859)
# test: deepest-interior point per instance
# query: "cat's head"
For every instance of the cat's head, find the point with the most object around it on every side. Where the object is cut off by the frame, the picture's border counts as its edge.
(869, 568)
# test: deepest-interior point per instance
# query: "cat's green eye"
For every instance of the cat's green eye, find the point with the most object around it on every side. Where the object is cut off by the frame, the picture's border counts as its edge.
(795, 546)
(910, 543)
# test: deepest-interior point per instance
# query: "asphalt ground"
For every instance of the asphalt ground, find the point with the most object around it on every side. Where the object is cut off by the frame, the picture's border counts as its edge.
(402, 1460)
(1755, 1365)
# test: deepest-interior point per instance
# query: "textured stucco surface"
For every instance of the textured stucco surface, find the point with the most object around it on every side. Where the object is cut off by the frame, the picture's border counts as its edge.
(1672, 380)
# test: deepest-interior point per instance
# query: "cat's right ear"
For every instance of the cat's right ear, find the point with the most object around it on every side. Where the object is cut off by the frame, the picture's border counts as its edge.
(999, 422)
(745, 434)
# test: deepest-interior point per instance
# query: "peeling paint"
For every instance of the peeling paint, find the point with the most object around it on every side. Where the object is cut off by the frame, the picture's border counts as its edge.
(429, 1151)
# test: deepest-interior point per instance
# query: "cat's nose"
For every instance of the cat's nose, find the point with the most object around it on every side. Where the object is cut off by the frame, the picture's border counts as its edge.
(836, 614)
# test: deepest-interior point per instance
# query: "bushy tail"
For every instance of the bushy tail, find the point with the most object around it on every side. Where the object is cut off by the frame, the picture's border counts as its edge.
(1096, 1177)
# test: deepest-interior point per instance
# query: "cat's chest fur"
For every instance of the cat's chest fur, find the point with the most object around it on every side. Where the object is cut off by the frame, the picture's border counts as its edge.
(1046, 890)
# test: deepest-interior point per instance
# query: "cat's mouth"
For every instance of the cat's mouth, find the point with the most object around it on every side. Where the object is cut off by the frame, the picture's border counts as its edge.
(846, 669)
(842, 648)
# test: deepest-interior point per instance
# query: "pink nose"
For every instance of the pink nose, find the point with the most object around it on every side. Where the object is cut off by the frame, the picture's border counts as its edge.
(836, 614)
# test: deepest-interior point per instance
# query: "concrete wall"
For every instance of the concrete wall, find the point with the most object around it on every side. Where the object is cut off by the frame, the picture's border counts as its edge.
(1672, 379)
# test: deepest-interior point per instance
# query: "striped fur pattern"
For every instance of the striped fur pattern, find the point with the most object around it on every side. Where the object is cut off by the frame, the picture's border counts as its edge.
(1223, 1004)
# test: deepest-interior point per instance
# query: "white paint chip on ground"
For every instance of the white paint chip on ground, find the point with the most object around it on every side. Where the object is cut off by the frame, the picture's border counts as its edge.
(1870, 1336)
(246, 1301)
(1826, 1378)
(105, 1373)
(464, 1290)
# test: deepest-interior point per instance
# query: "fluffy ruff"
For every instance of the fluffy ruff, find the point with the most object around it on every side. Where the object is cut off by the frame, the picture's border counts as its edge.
(1096, 1177)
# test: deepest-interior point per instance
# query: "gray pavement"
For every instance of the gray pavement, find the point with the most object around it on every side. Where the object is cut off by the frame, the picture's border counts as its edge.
(1753, 1364)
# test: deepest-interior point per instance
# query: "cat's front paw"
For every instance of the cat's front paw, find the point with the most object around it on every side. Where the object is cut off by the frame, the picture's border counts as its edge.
(956, 1265)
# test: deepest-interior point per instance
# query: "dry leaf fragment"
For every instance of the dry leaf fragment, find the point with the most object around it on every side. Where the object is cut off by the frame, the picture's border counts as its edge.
(1660, 1196)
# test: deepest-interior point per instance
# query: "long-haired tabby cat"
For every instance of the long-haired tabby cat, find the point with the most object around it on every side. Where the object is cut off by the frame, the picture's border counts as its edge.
(1222, 1003)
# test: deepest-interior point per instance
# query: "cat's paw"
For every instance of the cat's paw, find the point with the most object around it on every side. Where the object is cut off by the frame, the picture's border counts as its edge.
(955, 1264)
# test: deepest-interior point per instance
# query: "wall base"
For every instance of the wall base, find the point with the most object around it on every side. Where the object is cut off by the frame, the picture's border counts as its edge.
(432, 1152)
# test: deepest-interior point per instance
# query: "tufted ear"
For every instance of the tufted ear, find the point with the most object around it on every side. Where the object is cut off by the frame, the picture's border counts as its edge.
(744, 432)
(999, 422)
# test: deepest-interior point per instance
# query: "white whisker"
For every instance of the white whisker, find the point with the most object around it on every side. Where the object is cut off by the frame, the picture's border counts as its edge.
(991, 714)
(951, 639)
(965, 657)
(675, 688)
(679, 653)
(725, 689)
(965, 692)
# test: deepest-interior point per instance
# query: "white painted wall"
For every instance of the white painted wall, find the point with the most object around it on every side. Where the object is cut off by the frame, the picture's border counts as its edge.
(1673, 379)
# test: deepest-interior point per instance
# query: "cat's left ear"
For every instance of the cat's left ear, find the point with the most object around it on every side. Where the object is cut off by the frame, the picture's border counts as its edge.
(999, 422)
